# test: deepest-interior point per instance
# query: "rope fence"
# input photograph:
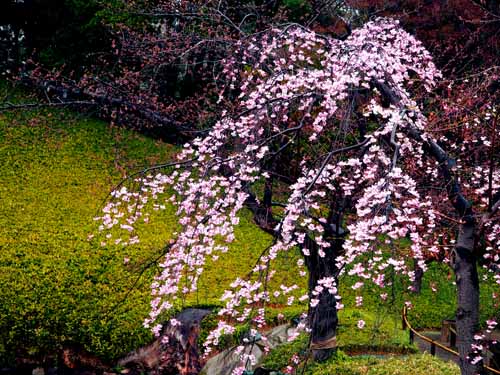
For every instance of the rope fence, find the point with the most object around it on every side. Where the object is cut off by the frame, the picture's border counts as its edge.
(434, 344)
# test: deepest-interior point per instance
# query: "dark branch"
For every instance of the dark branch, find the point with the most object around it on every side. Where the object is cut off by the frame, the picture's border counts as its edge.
(74, 95)
(446, 163)
(12, 107)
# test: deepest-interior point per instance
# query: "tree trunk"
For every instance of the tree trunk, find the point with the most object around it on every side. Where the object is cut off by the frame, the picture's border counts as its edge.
(323, 319)
(419, 274)
(464, 265)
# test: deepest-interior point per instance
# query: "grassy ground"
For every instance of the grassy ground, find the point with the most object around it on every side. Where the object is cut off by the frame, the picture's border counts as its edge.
(380, 348)
(56, 168)
(421, 364)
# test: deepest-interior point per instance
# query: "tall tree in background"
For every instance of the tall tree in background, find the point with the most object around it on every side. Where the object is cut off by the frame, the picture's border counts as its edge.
(55, 33)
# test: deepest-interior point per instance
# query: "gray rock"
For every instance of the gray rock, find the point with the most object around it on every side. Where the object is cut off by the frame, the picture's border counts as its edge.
(226, 361)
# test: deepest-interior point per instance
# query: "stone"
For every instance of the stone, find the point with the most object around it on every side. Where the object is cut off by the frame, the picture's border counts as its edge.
(226, 361)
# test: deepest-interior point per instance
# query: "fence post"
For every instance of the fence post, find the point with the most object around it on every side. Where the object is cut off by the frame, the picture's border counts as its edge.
(453, 339)
(433, 348)
(412, 336)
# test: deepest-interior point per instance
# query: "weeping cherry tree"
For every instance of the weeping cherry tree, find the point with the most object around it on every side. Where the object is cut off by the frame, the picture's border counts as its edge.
(326, 146)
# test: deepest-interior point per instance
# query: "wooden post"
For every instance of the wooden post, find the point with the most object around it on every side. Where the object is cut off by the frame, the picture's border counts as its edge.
(453, 339)
(412, 337)
(433, 348)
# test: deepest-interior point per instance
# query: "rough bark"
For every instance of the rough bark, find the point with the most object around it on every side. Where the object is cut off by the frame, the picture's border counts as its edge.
(323, 319)
(467, 315)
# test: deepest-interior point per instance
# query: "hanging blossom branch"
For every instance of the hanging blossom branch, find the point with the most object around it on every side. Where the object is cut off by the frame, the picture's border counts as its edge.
(295, 80)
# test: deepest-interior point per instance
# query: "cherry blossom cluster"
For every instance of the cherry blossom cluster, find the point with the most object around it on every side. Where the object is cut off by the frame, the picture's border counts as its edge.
(297, 83)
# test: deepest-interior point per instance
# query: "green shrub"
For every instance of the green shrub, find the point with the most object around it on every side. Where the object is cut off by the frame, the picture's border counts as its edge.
(56, 170)
(57, 287)
(377, 336)
(422, 364)
(280, 357)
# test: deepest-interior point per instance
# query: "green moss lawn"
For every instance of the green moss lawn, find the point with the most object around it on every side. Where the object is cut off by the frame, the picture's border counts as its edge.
(56, 169)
